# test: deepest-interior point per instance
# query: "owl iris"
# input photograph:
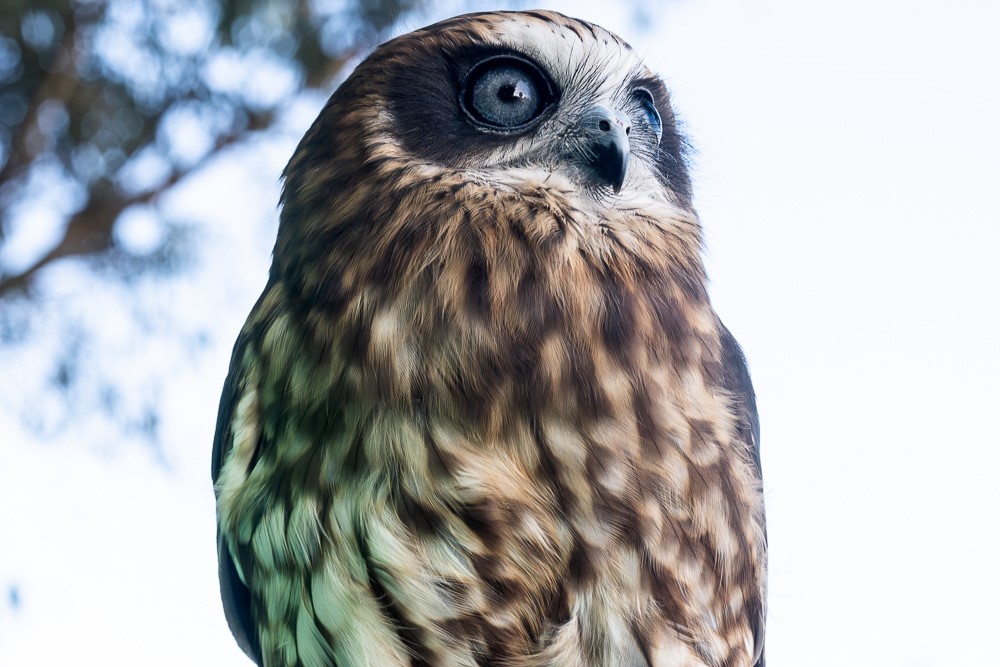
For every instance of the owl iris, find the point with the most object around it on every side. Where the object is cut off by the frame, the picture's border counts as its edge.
(506, 93)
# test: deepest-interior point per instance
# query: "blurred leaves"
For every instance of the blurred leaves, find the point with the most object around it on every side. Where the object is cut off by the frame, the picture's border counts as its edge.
(105, 106)
(120, 99)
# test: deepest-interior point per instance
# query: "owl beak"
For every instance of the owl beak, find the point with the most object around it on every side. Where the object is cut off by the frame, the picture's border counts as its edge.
(607, 146)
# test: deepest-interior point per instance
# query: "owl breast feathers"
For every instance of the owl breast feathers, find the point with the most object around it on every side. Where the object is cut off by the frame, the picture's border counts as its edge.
(483, 412)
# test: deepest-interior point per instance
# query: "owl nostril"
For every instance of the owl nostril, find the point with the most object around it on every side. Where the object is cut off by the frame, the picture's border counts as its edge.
(605, 126)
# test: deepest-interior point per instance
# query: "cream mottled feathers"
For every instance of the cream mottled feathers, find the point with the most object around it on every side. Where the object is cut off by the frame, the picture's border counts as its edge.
(483, 412)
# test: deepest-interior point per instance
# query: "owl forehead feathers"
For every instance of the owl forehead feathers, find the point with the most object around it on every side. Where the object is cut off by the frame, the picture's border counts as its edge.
(581, 56)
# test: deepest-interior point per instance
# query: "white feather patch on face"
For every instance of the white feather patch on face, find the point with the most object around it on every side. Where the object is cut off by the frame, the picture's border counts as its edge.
(601, 59)
(641, 193)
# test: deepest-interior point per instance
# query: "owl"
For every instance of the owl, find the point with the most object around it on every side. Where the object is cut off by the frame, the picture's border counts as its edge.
(483, 412)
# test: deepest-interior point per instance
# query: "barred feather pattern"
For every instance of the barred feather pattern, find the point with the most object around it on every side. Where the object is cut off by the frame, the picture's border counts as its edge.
(479, 419)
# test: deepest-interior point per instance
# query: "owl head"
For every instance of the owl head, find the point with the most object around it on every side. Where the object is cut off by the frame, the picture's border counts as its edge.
(534, 91)
(532, 124)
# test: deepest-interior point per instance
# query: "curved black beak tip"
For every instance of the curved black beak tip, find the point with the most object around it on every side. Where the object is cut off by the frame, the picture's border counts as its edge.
(610, 163)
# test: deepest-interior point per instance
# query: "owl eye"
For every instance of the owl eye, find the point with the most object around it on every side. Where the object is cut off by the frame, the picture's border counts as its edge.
(506, 93)
(650, 114)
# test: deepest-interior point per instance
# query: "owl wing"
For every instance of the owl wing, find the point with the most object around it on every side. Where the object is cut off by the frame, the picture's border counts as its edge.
(235, 593)
(736, 381)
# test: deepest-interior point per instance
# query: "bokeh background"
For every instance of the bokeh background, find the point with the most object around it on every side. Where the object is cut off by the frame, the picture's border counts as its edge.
(846, 171)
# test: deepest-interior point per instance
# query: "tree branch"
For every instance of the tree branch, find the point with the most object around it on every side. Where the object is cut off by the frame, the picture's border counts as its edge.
(89, 230)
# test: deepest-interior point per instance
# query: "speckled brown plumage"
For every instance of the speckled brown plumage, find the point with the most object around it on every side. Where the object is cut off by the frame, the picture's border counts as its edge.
(483, 412)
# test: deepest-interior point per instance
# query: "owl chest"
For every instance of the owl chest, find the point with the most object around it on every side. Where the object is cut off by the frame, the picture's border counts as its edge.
(495, 498)
(507, 535)
(498, 539)
(558, 446)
